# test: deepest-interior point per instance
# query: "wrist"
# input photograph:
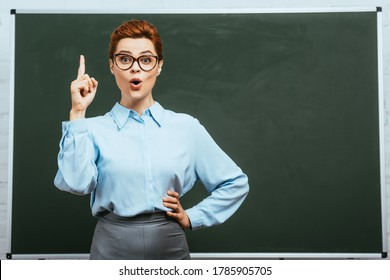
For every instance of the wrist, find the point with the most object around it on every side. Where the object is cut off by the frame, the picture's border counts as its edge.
(76, 115)
(187, 223)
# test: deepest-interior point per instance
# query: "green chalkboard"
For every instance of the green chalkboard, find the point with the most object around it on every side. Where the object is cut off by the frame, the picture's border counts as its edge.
(291, 97)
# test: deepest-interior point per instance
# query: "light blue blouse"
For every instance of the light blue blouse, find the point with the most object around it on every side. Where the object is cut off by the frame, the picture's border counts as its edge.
(128, 162)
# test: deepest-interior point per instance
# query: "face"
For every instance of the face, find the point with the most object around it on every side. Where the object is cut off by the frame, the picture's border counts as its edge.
(136, 84)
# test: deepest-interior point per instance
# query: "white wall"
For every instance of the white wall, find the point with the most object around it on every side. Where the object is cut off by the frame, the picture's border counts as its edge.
(149, 5)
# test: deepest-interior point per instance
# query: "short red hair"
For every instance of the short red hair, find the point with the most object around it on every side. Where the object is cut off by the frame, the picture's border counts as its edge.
(136, 29)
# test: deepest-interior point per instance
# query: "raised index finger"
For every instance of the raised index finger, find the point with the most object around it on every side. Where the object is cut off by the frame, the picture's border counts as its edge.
(81, 70)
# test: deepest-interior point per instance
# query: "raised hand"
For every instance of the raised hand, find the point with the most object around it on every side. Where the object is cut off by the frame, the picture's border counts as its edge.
(83, 91)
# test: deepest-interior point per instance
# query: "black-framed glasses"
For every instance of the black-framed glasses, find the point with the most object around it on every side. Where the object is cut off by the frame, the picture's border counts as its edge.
(125, 61)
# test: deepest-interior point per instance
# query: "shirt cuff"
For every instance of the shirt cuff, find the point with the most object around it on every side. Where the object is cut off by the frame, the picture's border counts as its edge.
(75, 126)
(195, 219)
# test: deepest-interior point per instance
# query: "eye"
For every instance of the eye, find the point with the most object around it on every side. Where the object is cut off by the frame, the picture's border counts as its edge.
(145, 59)
(125, 59)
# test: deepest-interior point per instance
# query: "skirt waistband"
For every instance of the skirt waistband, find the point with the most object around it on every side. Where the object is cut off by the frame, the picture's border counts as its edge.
(144, 218)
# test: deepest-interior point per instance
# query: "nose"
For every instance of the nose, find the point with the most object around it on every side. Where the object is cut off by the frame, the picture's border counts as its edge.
(135, 67)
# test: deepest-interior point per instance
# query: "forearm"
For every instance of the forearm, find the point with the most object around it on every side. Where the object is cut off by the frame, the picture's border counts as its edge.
(77, 172)
(222, 203)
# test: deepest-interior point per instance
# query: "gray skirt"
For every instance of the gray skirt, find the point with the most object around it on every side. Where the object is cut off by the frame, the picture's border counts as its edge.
(152, 236)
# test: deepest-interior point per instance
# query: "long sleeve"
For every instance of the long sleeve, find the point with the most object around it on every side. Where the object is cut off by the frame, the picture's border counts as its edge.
(223, 179)
(77, 172)
(128, 162)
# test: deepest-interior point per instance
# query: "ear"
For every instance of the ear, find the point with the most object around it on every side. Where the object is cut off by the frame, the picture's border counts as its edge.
(111, 66)
(160, 64)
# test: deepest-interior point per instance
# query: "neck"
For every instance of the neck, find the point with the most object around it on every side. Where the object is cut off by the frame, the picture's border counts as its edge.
(137, 105)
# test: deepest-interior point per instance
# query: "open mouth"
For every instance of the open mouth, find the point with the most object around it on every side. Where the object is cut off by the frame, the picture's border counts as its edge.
(135, 84)
(135, 81)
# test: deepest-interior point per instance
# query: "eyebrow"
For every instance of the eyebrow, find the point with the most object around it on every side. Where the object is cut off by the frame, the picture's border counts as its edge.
(129, 52)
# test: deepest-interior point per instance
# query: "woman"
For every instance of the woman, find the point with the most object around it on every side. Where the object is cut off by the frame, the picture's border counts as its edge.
(139, 159)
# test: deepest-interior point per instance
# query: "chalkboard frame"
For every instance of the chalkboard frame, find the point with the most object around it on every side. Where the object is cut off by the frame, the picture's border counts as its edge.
(223, 11)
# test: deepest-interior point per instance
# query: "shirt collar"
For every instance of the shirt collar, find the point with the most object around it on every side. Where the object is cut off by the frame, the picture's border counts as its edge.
(121, 114)
(156, 111)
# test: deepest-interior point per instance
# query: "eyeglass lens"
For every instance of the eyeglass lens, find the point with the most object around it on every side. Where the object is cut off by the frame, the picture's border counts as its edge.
(145, 62)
